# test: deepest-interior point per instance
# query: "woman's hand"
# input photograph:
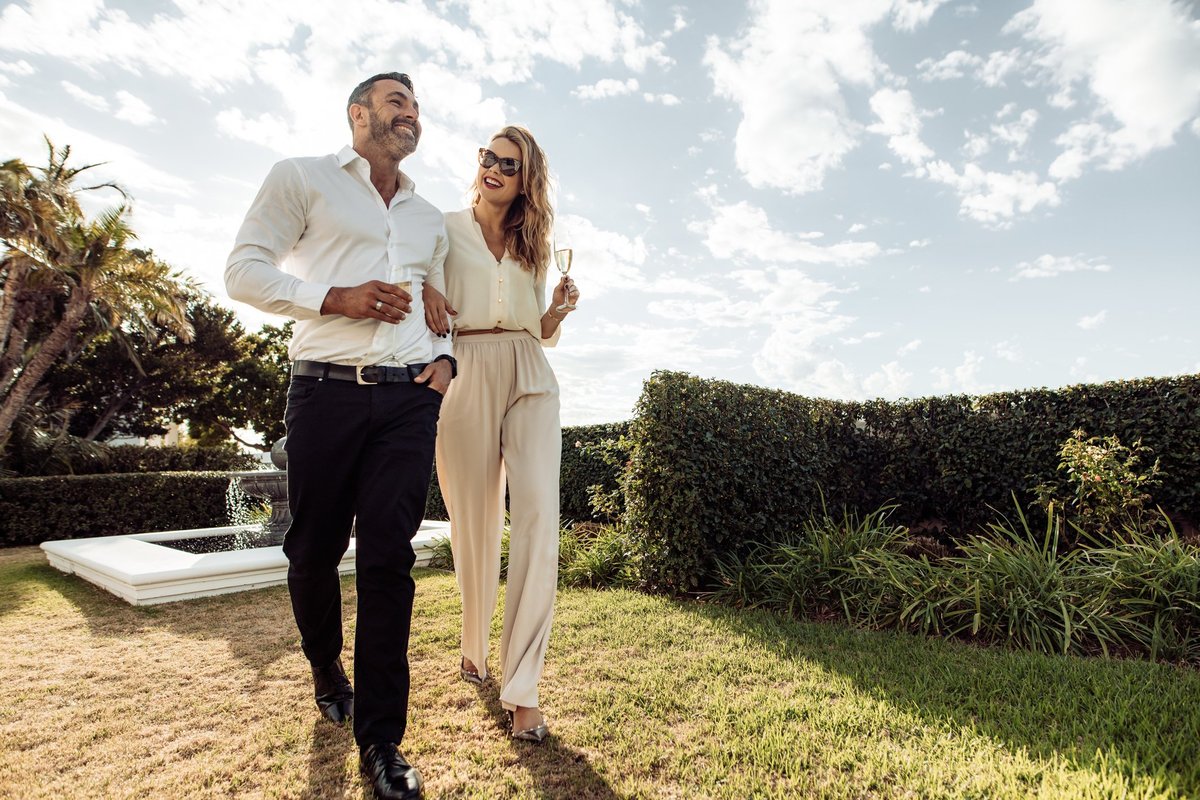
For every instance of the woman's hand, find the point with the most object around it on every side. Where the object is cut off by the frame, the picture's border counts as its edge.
(437, 310)
(565, 293)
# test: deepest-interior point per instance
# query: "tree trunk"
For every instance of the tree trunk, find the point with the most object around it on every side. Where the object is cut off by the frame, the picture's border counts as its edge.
(16, 269)
(114, 407)
(39, 365)
(12, 356)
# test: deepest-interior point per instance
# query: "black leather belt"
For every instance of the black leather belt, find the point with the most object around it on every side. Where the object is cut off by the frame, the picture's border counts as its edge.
(364, 375)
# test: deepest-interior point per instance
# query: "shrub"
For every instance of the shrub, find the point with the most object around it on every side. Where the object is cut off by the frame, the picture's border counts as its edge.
(714, 467)
(1016, 588)
(1151, 584)
(33, 510)
(819, 568)
(1106, 485)
(109, 459)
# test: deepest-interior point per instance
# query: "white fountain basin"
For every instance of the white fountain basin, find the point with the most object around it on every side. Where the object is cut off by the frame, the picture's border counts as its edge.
(141, 572)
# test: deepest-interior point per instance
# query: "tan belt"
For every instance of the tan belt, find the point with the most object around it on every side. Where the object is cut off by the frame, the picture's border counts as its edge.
(490, 330)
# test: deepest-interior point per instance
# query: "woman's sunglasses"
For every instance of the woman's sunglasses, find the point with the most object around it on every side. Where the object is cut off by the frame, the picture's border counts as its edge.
(508, 166)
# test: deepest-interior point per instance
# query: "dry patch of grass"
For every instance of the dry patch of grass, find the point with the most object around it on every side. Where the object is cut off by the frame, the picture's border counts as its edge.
(647, 698)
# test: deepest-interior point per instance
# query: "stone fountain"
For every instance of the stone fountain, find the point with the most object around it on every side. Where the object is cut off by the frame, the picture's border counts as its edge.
(159, 567)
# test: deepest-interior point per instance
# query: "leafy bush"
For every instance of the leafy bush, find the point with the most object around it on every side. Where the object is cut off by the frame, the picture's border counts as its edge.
(1151, 583)
(714, 467)
(817, 569)
(101, 459)
(1017, 588)
(33, 510)
(1107, 485)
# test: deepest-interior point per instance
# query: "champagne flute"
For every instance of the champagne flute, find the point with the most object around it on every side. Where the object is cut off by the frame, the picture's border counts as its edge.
(562, 259)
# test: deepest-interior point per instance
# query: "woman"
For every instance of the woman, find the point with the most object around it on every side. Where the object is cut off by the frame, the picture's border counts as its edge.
(500, 416)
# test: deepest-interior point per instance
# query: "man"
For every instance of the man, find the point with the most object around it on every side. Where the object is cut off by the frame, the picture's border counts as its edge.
(367, 384)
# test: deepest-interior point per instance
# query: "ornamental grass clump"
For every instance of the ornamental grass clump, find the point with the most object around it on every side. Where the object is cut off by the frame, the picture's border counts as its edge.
(824, 567)
(1017, 588)
(1151, 584)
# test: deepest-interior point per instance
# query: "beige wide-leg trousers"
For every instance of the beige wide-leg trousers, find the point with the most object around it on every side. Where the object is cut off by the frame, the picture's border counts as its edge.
(501, 416)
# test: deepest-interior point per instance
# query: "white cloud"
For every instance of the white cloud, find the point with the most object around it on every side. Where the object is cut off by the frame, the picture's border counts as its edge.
(1048, 266)
(910, 347)
(604, 260)
(990, 71)
(890, 381)
(795, 125)
(1145, 77)
(857, 227)
(963, 378)
(134, 110)
(1092, 322)
(916, 244)
(900, 121)
(92, 101)
(977, 145)
(20, 68)
(606, 87)
(955, 64)
(21, 130)
(1007, 351)
(664, 99)
(740, 229)
(908, 15)
(266, 129)
(1016, 133)
(995, 198)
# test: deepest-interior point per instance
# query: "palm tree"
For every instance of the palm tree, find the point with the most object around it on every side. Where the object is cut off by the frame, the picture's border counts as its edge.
(61, 268)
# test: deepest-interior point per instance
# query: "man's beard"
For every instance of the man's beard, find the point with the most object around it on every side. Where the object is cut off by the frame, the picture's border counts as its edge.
(397, 143)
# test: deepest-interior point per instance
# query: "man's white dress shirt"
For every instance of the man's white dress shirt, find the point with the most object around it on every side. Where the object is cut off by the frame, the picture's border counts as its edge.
(318, 223)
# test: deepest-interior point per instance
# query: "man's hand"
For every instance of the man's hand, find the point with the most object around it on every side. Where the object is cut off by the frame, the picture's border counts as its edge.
(385, 302)
(437, 310)
(437, 374)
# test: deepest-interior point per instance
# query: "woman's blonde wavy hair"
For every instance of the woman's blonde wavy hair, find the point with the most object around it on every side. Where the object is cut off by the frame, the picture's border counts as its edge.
(530, 218)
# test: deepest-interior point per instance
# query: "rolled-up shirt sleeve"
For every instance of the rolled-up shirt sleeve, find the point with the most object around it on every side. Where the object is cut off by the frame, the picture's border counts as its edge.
(274, 223)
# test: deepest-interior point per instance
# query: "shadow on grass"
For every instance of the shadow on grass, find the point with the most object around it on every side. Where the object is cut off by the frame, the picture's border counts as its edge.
(1139, 718)
(17, 586)
(557, 771)
(331, 744)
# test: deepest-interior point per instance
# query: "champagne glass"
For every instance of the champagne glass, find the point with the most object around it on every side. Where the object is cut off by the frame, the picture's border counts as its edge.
(562, 260)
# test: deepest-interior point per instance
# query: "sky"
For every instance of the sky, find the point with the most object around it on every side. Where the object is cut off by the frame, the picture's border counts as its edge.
(840, 198)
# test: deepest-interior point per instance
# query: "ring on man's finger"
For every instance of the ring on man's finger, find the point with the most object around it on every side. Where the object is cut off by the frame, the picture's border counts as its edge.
(378, 305)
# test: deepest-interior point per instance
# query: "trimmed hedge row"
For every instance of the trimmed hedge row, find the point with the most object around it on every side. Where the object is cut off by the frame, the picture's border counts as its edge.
(715, 465)
(108, 459)
(33, 510)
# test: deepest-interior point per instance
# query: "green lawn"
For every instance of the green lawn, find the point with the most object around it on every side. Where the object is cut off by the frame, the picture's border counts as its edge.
(647, 697)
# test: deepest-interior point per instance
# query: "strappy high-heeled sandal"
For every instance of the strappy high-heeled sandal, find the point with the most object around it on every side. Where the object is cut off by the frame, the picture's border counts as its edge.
(467, 675)
(536, 734)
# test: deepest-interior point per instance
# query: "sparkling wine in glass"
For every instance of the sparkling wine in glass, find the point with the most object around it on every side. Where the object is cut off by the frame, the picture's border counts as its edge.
(562, 259)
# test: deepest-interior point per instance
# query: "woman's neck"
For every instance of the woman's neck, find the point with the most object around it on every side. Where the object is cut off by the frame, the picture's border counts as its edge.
(490, 216)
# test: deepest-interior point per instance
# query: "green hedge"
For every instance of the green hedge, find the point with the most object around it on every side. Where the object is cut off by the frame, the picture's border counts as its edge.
(33, 510)
(104, 459)
(715, 466)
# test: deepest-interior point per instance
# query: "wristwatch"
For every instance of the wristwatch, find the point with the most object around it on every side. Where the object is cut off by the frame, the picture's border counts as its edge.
(453, 365)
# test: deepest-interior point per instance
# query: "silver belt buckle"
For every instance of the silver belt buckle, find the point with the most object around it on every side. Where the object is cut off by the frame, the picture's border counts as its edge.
(358, 376)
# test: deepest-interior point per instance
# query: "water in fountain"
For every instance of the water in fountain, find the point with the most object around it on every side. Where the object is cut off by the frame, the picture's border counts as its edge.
(243, 510)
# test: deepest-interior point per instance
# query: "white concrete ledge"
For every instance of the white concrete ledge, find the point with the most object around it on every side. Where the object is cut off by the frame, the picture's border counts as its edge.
(142, 572)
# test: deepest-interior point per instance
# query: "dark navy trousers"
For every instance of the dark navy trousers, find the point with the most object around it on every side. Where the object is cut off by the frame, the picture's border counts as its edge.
(359, 457)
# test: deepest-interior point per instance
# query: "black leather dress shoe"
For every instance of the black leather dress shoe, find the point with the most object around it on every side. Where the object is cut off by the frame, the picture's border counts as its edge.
(335, 696)
(391, 776)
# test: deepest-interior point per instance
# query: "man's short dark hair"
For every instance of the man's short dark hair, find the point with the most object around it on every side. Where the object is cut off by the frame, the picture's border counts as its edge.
(359, 95)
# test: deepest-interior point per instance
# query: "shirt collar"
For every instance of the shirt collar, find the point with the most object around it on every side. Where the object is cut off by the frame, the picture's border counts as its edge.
(348, 155)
